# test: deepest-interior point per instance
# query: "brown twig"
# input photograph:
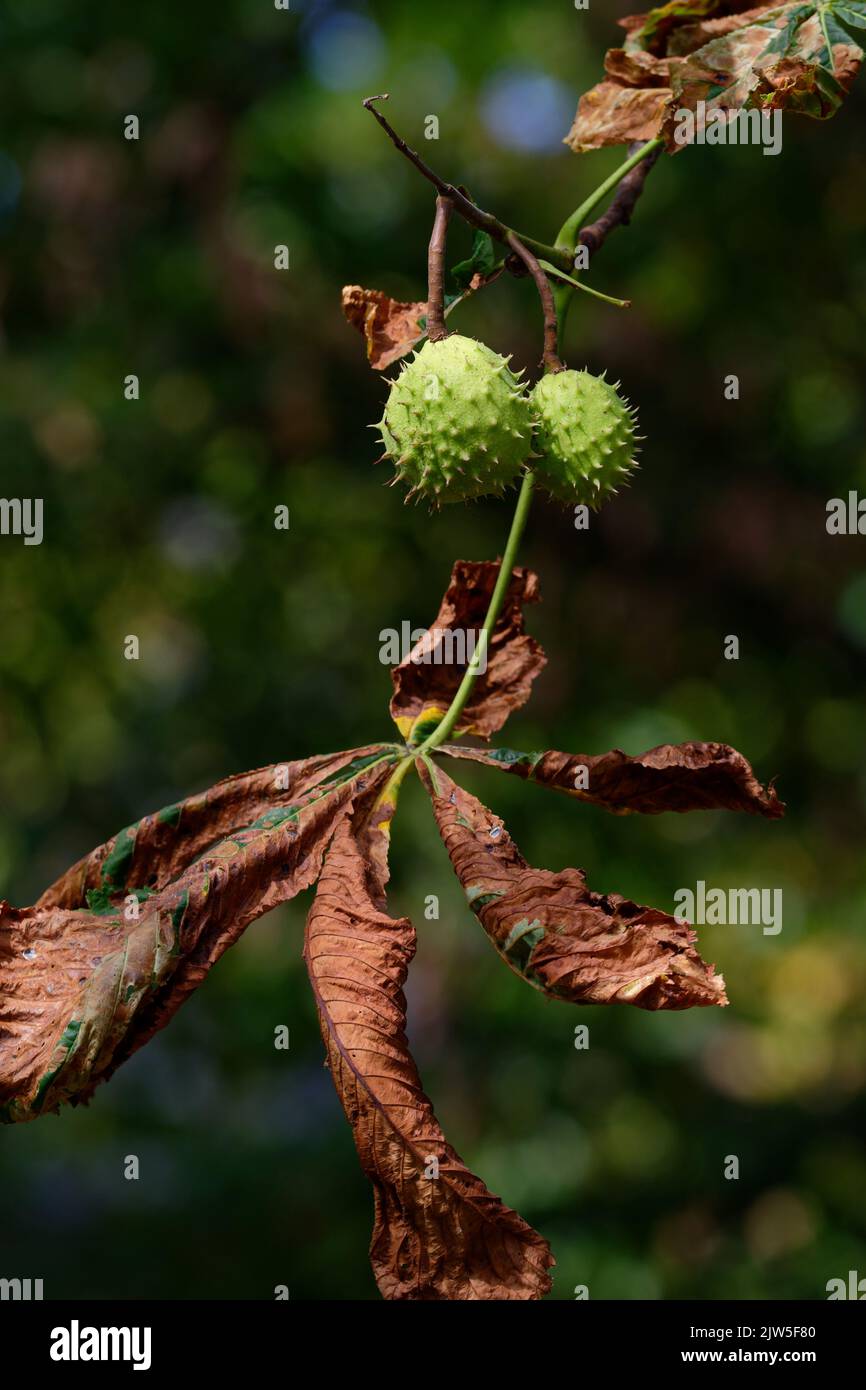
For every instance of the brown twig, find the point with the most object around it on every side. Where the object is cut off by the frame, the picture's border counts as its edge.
(468, 210)
(618, 214)
(436, 329)
(550, 357)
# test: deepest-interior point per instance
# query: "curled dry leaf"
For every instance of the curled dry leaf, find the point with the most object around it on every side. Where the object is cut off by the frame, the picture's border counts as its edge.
(572, 944)
(81, 990)
(389, 327)
(426, 681)
(438, 1232)
(637, 69)
(658, 30)
(628, 105)
(672, 777)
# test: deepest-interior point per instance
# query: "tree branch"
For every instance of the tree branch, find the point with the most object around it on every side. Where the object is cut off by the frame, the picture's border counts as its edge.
(436, 329)
(552, 362)
(618, 214)
(468, 210)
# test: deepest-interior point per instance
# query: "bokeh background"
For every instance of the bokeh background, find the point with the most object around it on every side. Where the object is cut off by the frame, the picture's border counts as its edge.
(156, 258)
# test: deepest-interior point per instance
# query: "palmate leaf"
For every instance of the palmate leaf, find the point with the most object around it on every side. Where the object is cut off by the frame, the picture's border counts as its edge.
(797, 57)
(570, 943)
(438, 1232)
(112, 949)
(81, 989)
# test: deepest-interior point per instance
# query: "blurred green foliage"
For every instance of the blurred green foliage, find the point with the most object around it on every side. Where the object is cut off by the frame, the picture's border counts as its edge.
(156, 258)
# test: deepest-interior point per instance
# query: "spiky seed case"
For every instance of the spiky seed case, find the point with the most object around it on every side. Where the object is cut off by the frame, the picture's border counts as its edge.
(585, 437)
(457, 423)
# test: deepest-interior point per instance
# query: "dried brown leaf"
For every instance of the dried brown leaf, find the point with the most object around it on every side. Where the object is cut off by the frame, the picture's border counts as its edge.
(426, 681)
(614, 114)
(434, 1237)
(81, 990)
(636, 69)
(572, 944)
(390, 328)
(672, 777)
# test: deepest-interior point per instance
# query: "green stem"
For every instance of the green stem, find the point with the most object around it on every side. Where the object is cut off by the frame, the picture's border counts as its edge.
(571, 227)
(562, 297)
(559, 255)
(566, 241)
(448, 722)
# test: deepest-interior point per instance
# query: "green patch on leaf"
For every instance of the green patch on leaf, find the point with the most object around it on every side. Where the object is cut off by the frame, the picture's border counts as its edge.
(278, 816)
(99, 900)
(424, 726)
(659, 21)
(478, 897)
(177, 914)
(118, 862)
(99, 903)
(67, 1040)
(351, 770)
(511, 758)
(522, 941)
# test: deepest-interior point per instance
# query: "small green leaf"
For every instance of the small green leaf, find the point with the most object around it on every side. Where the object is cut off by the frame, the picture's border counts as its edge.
(482, 261)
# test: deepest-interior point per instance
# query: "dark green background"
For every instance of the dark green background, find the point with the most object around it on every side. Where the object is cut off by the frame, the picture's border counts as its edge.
(156, 258)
